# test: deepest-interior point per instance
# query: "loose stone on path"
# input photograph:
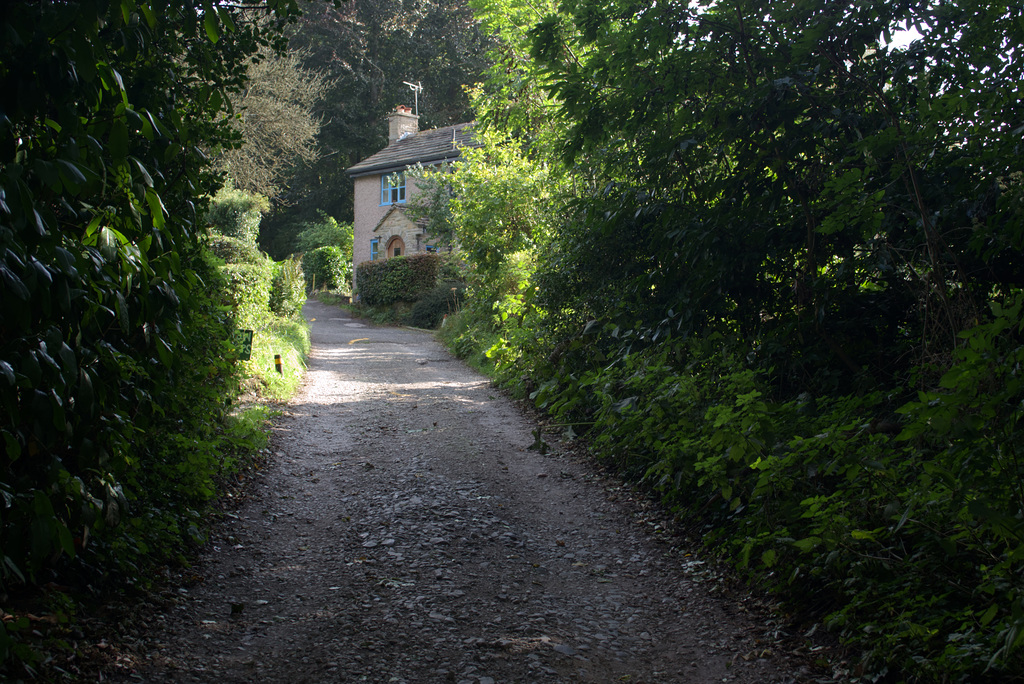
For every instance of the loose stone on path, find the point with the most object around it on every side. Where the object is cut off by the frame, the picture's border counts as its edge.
(404, 532)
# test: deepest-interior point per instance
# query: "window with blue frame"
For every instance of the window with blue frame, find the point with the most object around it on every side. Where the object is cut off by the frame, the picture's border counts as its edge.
(431, 249)
(374, 247)
(392, 188)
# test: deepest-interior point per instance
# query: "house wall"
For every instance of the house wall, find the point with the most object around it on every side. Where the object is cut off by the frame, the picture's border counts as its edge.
(399, 225)
(368, 212)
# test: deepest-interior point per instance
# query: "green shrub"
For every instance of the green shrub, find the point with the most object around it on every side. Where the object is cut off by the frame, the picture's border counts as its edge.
(235, 213)
(430, 309)
(327, 268)
(468, 340)
(399, 279)
(249, 292)
(452, 267)
(326, 232)
(287, 290)
(234, 250)
(897, 523)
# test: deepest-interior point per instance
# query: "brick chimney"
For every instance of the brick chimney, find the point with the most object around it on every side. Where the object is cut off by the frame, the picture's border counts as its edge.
(402, 123)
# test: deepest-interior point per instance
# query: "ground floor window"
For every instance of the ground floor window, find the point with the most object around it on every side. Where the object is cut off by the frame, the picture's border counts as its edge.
(374, 247)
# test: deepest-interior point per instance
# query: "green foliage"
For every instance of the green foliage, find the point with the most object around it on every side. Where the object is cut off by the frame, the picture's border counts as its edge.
(288, 288)
(327, 268)
(237, 214)
(434, 305)
(452, 267)
(115, 364)
(326, 232)
(327, 258)
(400, 279)
(513, 98)
(800, 198)
(469, 341)
(790, 304)
(845, 510)
(234, 250)
(287, 337)
(504, 203)
(249, 292)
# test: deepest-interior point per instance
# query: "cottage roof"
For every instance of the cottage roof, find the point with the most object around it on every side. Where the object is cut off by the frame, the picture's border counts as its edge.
(425, 147)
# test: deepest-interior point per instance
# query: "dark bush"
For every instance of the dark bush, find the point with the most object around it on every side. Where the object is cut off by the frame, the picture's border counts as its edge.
(431, 308)
(424, 269)
(327, 268)
(288, 288)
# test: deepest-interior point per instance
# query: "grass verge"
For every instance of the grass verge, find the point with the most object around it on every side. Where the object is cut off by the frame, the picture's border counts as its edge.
(288, 338)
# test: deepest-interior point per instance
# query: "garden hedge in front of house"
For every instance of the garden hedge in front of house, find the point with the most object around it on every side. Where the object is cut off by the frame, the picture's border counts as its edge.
(399, 279)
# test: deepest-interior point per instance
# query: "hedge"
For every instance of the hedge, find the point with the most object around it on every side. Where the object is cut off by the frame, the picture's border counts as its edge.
(327, 267)
(235, 250)
(249, 292)
(399, 279)
(287, 290)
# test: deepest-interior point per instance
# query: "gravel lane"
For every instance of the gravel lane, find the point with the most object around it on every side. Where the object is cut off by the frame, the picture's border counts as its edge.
(405, 532)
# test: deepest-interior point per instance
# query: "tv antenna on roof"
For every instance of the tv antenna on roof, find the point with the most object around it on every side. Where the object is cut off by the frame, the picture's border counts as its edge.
(417, 88)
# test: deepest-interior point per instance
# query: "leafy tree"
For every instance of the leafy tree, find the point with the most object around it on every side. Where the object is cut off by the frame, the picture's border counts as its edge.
(809, 188)
(503, 202)
(512, 99)
(114, 361)
(323, 233)
(276, 120)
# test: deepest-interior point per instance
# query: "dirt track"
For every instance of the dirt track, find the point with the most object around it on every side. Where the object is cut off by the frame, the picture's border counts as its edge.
(405, 532)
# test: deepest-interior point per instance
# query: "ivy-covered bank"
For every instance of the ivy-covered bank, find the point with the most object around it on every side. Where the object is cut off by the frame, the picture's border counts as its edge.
(773, 268)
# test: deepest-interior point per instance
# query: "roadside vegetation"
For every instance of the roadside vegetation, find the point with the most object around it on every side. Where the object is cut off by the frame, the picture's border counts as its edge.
(767, 260)
(770, 265)
(265, 298)
(126, 276)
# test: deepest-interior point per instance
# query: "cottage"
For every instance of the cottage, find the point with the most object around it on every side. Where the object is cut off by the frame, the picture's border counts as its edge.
(382, 227)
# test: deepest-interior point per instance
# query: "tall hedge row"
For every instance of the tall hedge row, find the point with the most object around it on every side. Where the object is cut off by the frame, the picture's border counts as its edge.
(249, 291)
(115, 363)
